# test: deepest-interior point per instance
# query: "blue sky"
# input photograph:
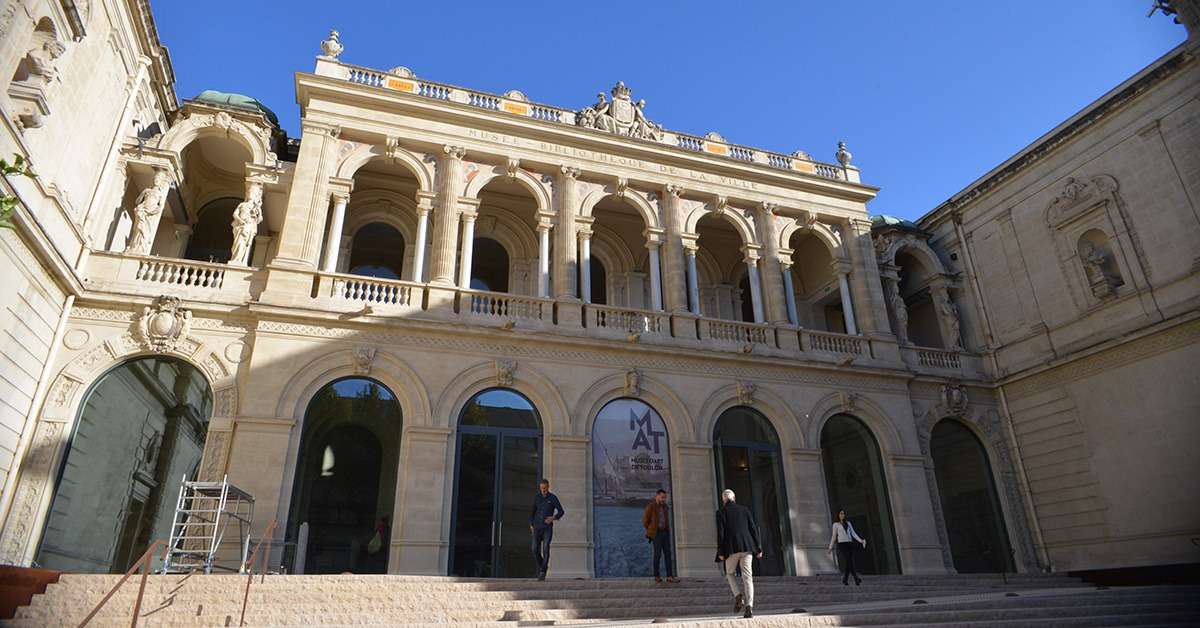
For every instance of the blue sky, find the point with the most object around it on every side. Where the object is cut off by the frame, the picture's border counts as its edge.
(927, 95)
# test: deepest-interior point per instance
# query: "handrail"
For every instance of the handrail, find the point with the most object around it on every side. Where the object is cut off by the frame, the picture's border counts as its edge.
(250, 566)
(142, 563)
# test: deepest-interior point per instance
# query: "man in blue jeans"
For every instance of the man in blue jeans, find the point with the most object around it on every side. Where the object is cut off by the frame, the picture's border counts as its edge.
(546, 511)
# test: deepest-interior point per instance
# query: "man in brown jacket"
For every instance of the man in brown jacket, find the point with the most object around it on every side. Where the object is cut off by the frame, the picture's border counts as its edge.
(657, 521)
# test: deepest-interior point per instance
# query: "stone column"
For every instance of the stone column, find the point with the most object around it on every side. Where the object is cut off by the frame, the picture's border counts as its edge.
(842, 268)
(543, 278)
(653, 244)
(693, 284)
(566, 196)
(772, 277)
(424, 206)
(308, 201)
(445, 218)
(675, 280)
(585, 264)
(789, 292)
(756, 300)
(468, 249)
(333, 240)
(865, 286)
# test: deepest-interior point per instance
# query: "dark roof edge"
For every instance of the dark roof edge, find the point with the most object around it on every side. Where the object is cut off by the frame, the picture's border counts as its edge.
(1156, 72)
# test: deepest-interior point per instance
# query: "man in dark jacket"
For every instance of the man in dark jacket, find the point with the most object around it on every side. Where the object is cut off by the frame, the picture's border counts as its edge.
(546, 511)
(737, 544)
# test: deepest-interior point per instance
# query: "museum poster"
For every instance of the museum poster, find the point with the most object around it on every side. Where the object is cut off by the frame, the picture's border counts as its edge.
(630, 462)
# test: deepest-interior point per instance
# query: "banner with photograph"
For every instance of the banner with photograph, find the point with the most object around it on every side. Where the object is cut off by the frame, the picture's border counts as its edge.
(630, 462)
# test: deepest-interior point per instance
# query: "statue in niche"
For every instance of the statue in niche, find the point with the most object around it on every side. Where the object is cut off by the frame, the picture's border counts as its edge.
(621, 115)
(41, 61)
(900, 310)
(145, 214)
(1101, 274)
(950, 311)
(246, 219)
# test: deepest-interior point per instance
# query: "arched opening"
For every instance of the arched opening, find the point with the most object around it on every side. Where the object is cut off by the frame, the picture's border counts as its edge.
(212, 235)
(346, 478)
(508, 218)
(489, 266)
(815, 284)
(970, 504)
(855, 482)
(721, 294)
(377, 250)
(916, 280)
(140, 431)
(749, 462)
(630, 463)
(599, 278)
(499, 463)
(618, 245)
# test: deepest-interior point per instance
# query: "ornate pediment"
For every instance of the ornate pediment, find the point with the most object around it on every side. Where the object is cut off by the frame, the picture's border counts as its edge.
(621, 115)
(1078, 197)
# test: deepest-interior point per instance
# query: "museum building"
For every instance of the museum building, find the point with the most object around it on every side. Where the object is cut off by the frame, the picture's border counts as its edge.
(435, 296)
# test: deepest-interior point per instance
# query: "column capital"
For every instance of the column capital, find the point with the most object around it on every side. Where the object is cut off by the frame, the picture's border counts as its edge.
(425, 201)
(841, 266)
(544, 226)
(785, 263)
(339, 196)
(674, 189)
(769, 207)
(570, 172)
(654, 235)
(584, 234)
(750, 253)
(454, 152)
(690, 246)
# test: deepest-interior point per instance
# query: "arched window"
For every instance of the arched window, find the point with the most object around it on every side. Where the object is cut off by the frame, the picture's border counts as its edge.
(599, 282)
(749, 462)
(489, 266)
(141, 428)
(212, 235)
(855, 482)
(496, 476)
(630, 463)
(746, 298)
(377, 250)
(970, 505)
(346, 477)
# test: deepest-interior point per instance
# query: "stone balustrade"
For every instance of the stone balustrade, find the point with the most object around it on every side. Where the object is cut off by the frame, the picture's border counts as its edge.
(736, 332)
(153, 276)
(505, 308)
(384, 295)
(623, 322)
(830, 342)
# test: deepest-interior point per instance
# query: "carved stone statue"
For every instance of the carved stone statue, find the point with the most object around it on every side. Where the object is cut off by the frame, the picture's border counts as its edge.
(1096, 264)
(950, 311)
(900, 310)
(146, 212)
(42, 60)
(246, 219)
(621, 115)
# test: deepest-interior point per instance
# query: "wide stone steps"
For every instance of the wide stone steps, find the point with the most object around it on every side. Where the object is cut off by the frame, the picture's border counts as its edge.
(967, 601)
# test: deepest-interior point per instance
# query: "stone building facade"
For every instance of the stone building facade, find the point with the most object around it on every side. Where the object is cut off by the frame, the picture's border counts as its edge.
(434, 296)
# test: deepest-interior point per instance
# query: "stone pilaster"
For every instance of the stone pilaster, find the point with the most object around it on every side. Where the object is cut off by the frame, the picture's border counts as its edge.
(308, 204)
(674, 278)
(420, 541)
(445, 217)
(769, 268)
(694, 505)
(566, 198)
(571, 480)
(865, 287)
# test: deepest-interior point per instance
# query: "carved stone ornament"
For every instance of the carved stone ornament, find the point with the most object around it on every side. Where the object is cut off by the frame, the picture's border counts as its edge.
(163, 324)
(246, 218)
(1077, 197)
(745, 393)
(621, 116)
(146, 212)
(633, 382)
(954, 398)
(364, 358)
(505, 369)
(332, 46)
(843, 156)
(847, 400)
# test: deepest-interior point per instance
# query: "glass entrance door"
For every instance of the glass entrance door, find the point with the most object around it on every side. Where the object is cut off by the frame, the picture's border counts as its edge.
(753, 473)
(497, 478)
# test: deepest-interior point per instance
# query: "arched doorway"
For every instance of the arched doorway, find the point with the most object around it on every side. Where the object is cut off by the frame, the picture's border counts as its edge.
(212, 235)
(970, 505)
(748, 461)
(499, 463)
(489, 266)
(854, 481)
(346, 478)
(140, 431)
(630, 463)
(377, 250)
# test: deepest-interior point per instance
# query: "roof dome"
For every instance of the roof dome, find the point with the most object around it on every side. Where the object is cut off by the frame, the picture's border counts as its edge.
(884, 220)
(240, 101)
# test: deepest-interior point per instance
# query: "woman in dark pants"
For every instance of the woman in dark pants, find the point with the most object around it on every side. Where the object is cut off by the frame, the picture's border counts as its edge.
(844, 537)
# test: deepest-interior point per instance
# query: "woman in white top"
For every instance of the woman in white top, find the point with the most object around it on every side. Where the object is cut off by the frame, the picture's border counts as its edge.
(844, 537)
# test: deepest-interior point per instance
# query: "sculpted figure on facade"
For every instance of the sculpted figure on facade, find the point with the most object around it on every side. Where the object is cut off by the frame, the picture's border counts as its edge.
(163, 324)
(145, 214)
(900, 310)
(954, 324)
(246, 219)
(633, 382)
(42, 61)
(621, 115)
(1096, 264)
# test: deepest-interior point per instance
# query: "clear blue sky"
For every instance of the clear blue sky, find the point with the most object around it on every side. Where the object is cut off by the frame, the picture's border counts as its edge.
(927, 95)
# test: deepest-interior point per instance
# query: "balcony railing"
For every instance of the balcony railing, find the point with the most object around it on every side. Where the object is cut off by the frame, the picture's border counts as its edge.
(153, 276)
(831, 342)
(737, 332)
(508, 308)
(617, 321)
(381, 292)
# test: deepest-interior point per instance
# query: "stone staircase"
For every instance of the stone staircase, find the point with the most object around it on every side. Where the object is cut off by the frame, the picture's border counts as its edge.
(974, 601)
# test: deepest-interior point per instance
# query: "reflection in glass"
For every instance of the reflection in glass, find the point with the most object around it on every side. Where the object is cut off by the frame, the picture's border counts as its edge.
(140, 431)
(346, 476)
(748, 462)
(970, 505)
(854, 481)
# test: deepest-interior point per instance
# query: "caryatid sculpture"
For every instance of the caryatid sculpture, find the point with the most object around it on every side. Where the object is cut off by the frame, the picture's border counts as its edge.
(620, 115)
(900, 310)
(246, 219)
(146, 212)
(953, 322)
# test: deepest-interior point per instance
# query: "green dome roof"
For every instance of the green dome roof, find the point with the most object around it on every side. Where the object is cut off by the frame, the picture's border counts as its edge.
(240, 101)
(884, 220)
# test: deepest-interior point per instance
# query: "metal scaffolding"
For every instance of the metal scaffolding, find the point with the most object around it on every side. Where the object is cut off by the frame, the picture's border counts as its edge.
(203, 516)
